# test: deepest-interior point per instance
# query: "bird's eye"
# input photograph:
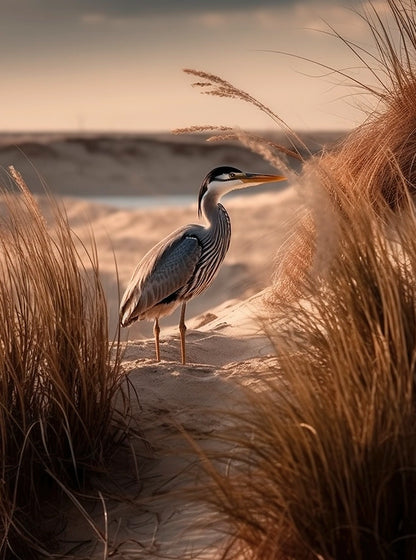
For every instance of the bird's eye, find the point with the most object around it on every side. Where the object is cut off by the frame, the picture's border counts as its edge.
(232, 175)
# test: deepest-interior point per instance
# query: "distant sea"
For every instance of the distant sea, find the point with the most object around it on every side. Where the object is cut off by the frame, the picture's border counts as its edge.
(134, 202)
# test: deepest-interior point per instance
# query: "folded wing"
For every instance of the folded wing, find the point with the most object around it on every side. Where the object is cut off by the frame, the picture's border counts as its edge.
(160, 275)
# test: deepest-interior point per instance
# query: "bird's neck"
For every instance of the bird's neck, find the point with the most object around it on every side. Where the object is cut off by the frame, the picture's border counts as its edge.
(218, 226)
(213, 211)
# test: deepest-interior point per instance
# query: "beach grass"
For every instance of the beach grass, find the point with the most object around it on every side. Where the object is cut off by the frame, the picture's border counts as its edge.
(320, 462)
(59, 373)
(323, 457)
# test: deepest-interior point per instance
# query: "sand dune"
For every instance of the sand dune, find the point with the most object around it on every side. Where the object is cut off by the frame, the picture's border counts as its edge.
(128, 164)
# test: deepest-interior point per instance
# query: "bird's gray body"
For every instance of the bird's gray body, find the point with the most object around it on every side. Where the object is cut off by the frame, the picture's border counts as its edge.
(178, 268)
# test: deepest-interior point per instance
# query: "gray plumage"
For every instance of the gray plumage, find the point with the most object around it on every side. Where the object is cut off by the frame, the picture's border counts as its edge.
(185, 263)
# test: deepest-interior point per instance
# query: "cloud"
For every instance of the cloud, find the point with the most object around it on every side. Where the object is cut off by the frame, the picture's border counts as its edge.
(188, 6)
(126, 8)
(327, 16)
(161, 7)
(94, 18)
(210, 19)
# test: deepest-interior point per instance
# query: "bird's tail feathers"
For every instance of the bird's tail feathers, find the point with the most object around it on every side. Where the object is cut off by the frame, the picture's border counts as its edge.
(126, 317)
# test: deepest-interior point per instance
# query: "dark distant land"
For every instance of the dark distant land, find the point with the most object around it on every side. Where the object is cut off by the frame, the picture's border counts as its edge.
(116, 164)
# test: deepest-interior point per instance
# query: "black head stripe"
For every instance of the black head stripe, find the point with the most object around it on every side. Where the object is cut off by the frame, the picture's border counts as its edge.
(214, 174)
(218, 171)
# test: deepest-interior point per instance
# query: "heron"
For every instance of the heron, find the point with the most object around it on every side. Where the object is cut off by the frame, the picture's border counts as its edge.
(184, 264)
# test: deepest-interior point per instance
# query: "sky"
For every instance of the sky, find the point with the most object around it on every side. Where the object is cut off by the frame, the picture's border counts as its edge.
(117, 65)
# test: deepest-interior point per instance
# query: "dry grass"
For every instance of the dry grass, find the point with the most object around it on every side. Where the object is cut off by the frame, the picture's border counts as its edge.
(376, 161)
(58, 374)
(274, 153)
(322, 463)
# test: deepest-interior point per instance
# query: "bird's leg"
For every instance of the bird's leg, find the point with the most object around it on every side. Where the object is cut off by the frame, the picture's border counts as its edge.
(156, 332)
(182, 330)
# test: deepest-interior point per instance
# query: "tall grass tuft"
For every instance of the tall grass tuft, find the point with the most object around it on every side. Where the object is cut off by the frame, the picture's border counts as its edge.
(58, 374)
(322, 461)
(375, 161)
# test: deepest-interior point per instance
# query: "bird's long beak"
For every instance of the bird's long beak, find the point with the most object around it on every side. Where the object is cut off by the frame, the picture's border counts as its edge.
(259, 179)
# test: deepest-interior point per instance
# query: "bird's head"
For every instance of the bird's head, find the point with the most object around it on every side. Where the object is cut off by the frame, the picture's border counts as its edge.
(222, 180)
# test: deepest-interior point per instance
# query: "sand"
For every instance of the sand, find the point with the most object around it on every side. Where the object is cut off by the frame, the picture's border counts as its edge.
(225, 342)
